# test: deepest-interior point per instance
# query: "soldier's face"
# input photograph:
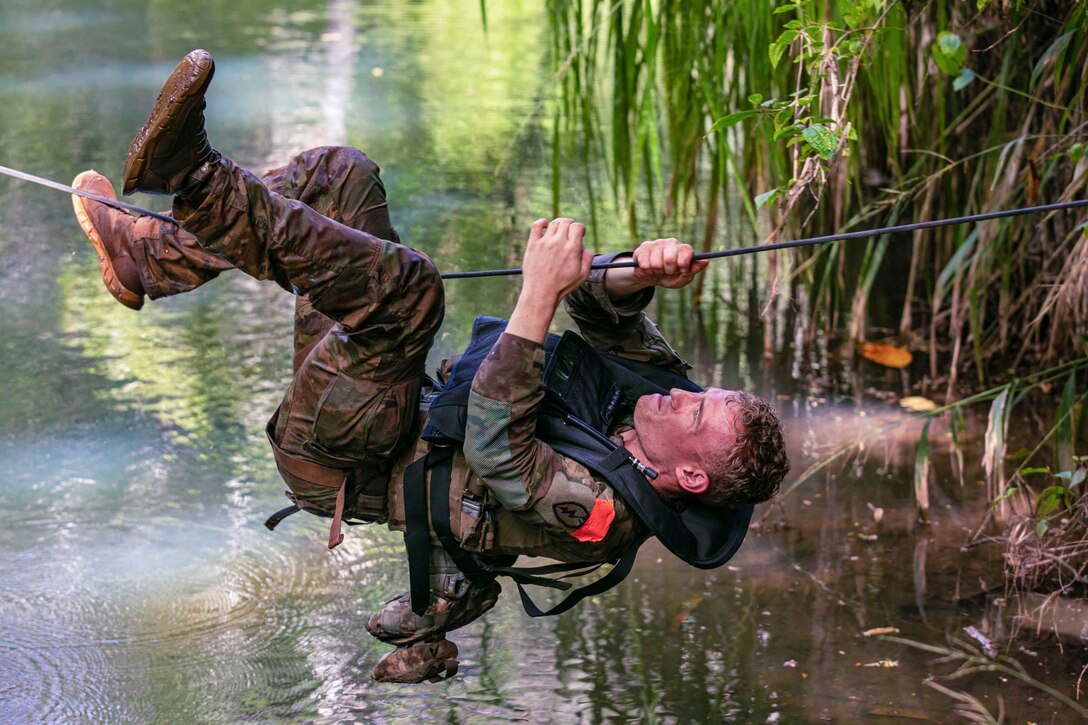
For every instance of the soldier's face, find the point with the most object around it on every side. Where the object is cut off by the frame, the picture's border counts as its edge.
(684, 428)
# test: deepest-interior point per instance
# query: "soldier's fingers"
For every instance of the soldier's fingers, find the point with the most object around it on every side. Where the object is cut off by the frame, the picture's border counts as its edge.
(537, 230)
(577, 231)
(562, 228)
(684, 255)
(639, 258)
(668, 257)
(656, 261)
(553, 225)
(699, 265)
(587, 262)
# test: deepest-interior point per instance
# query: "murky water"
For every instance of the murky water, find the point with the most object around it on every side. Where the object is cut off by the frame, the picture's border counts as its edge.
(136, 580)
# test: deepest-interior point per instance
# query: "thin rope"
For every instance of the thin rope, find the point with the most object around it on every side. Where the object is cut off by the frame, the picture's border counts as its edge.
(806, 242)
(71, 190)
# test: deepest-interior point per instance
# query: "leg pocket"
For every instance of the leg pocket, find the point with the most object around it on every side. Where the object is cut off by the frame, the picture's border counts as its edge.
(362, 419)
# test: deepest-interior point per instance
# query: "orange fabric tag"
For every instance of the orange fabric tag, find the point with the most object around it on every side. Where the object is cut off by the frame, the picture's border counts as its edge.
(596, 526)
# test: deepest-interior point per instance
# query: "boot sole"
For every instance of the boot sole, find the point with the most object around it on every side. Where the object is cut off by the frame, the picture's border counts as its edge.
(422, 662)
(189, 80)
(122, 294)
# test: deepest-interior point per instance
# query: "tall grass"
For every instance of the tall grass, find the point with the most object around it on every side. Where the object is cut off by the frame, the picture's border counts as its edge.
(812, 116)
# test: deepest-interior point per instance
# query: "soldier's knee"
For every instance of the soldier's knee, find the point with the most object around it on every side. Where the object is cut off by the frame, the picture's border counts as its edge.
(350, 161)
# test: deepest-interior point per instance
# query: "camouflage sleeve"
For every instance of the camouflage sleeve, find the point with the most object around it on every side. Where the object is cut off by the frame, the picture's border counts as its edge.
(620, 326)
(524, 474)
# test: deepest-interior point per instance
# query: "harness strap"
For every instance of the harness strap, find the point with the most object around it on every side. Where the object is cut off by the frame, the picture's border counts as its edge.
(275, 519)
(416, 538)
(619, 572)
(440, 461)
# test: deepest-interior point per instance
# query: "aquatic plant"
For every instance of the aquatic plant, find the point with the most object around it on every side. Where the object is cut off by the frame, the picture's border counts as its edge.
(761, 120)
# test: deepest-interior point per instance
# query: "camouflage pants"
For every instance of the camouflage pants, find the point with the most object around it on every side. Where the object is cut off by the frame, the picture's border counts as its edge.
(368, 307)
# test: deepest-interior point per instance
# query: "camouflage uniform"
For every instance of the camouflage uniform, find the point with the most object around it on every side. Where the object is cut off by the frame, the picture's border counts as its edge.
(339, 182)
(368, 309)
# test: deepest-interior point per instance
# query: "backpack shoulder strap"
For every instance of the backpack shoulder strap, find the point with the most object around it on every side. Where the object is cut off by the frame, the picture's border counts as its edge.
(417, 540)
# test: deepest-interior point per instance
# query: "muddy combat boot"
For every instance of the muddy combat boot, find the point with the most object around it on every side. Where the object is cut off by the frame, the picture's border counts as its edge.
(397, 624)
(110, 231)
(422, 661)
(172, 144)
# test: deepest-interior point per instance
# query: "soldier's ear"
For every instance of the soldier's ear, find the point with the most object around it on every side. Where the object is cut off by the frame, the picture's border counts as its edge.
(693, 479)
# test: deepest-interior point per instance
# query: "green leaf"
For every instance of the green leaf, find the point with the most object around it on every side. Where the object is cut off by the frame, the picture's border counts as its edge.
(786, 132)
(1052, 499)
(775, 51)
(1049, 56)
(981, 4)
(921, 473)
(733, 119)
(963, 79)
(1041, 527)
(778, 48)
(857, 12)
(1035, 469)
(755, 98)
(823, 140)
(1074, 477)
(766, 197)
(783, 9)
(949, 52)
(993, 457)
(1076, 152)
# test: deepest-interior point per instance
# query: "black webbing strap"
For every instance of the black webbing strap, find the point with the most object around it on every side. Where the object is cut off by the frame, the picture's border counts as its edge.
(275, 519)
(619, 572)
(417, 539)
(440, 463)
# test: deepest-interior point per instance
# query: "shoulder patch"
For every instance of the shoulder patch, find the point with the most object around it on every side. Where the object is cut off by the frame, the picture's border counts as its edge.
(567, 499)
(600, 520)
(570, 514)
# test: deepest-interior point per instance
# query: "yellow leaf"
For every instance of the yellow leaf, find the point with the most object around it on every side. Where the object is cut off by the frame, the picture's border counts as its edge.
(917, 403)
(889, 356)
(880, 630)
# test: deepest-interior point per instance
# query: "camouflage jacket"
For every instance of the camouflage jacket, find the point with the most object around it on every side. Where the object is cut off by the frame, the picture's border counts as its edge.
(523, 497)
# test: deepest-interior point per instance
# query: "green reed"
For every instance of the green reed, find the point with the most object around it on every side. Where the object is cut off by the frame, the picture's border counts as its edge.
(811, 116)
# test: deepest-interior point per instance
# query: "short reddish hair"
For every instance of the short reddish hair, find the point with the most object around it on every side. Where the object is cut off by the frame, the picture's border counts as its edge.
(751, 470)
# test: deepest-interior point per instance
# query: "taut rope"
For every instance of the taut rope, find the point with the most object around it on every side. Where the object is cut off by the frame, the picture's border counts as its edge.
(806, 242)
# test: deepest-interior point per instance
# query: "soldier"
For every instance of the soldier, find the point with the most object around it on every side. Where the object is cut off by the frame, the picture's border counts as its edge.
(348, 431)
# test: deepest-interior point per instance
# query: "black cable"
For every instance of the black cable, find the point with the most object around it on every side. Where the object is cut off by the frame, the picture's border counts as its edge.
(806, 242)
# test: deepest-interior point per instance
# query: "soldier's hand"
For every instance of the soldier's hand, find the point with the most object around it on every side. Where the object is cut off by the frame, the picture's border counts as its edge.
(555, 261)
(667, 263)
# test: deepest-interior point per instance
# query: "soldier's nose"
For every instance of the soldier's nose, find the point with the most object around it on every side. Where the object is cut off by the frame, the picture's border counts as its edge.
(681, 396)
